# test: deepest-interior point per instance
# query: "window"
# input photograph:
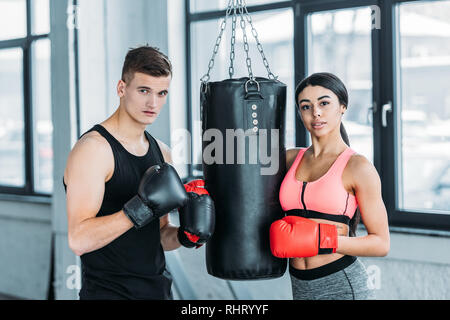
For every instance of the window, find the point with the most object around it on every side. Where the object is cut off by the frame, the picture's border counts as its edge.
(339, 41)
(25, 108)
(12, 148)
(423, 99)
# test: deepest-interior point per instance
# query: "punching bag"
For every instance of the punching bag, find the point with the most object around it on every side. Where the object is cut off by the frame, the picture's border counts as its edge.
(244, 162)
(243, 127)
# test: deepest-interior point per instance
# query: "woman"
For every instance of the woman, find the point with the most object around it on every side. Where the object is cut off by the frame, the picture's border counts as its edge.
(321, 192)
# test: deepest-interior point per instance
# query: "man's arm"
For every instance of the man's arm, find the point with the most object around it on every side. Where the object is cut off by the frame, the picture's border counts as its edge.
(168, 231)
(88, 166)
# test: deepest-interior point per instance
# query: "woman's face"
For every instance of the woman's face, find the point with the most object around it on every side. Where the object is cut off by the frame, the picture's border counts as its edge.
(320, 110)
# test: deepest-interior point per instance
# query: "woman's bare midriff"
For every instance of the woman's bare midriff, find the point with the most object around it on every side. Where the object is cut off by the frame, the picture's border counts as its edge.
(322, 259)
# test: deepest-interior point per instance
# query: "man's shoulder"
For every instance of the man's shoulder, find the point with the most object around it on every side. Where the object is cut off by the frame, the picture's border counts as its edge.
(91, 154)
(92, 140)
(91, 145)
(162, 145)
(165, 150)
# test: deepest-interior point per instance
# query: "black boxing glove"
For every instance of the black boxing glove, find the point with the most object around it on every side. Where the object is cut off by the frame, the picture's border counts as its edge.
(160, 191)
(197, 216)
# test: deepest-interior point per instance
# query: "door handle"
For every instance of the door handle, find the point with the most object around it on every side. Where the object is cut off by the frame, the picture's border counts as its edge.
(387, 107)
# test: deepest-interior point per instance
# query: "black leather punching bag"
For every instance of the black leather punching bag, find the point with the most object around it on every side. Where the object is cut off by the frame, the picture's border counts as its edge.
(244, 163)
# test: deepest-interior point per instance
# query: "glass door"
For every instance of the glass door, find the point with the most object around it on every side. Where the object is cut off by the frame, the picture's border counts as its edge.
(422, 37)
(340, 42)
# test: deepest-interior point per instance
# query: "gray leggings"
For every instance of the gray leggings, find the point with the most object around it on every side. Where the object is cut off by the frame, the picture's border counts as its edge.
(343, 279)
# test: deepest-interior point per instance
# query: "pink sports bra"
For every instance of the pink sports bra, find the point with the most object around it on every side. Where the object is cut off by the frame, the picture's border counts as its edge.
(324, 198)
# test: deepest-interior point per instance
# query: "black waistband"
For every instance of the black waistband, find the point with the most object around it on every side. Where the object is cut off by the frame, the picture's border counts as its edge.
(319, 215)
(322, 271)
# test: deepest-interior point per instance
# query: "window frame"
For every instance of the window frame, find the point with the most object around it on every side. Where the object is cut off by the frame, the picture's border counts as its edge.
(25, 44)
(384, 89)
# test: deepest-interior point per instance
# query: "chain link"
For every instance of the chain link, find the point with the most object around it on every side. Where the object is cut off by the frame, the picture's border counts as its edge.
(248, 61)
(234, 7)
(258, 44)
(223, 25)
(233, 41)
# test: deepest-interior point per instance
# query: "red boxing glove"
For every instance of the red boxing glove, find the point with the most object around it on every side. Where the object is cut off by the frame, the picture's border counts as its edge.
(298, 237)
(197, 186)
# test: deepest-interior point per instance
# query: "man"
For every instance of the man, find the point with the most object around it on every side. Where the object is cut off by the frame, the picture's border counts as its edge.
(120, 188)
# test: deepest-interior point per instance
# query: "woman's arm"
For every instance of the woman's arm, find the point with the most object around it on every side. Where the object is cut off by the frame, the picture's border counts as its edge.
(367, 187)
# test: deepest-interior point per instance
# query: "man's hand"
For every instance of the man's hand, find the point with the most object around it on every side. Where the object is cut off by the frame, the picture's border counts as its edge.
(160, 191)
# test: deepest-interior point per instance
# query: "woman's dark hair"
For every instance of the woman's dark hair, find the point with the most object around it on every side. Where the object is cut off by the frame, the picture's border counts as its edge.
(334, 84)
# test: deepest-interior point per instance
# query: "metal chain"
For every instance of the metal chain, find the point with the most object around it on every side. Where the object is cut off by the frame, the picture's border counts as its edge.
(233, 41)
(248, 61)
(223, 25)
(258, 44)
(241, 6)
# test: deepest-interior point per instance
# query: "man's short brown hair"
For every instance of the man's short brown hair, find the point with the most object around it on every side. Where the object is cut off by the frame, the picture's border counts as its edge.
(147, 60)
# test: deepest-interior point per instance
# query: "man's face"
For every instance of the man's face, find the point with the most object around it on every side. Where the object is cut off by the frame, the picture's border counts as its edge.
(144, 96)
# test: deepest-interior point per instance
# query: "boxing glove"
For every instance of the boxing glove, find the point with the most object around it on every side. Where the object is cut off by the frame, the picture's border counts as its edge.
(197, 216)
(293, 237)
(160, 191)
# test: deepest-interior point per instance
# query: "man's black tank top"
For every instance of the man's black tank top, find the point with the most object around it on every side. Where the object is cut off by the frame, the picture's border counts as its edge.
(133, 265)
